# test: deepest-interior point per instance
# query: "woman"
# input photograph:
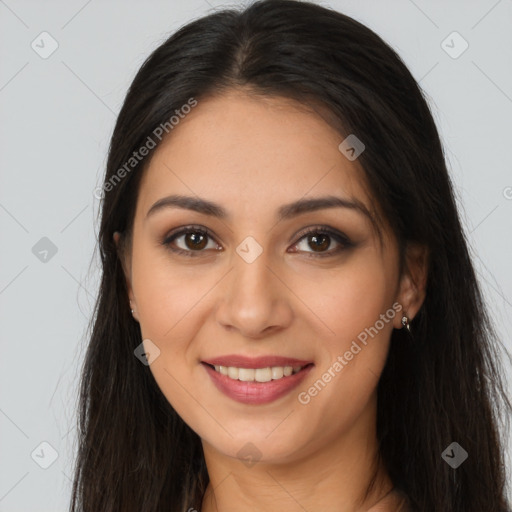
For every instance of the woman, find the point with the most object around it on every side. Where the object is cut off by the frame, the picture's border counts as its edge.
(288, 317)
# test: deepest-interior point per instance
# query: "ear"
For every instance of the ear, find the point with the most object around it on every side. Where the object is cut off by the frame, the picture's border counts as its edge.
(125, 258)
(413, 283)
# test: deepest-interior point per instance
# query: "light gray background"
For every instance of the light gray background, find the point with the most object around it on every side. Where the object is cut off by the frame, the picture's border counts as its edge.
(57, 116)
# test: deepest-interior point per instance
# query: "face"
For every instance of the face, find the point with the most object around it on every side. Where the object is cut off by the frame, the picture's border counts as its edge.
(259, 288)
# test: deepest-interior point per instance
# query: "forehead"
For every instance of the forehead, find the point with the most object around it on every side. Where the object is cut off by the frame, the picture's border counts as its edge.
(252, 154)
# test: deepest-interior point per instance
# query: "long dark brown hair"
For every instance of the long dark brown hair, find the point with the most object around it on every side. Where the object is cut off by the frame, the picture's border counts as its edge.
(445, 384)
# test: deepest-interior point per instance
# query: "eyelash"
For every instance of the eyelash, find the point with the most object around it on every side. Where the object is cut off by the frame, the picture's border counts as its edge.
(342, 239)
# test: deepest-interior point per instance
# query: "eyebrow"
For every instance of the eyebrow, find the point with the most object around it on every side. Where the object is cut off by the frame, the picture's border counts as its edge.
(285, 212)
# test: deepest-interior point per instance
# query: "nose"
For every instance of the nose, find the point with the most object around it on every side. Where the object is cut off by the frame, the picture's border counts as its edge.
(255, 300)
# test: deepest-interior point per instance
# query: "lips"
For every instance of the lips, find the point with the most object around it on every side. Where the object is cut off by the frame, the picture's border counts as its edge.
(260, 390)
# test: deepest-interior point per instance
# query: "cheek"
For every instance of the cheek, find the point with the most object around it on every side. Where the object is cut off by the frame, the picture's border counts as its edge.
(350, 302)
(168, 295)
(359, 311)
(350, 298)
(171, 302)
(358, 304)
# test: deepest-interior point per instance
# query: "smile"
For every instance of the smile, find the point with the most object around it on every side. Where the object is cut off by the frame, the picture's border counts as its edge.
(256, 380)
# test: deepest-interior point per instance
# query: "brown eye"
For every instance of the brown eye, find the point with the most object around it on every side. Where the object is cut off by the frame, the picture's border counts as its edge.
(319, 242)
(190, 241)
(319, 239)
(195, 240)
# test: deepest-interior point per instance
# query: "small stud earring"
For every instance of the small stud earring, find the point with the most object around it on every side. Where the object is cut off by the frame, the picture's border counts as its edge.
(405, 323)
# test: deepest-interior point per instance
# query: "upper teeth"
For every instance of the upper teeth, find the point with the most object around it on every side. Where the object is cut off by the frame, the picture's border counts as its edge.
(257, 374)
